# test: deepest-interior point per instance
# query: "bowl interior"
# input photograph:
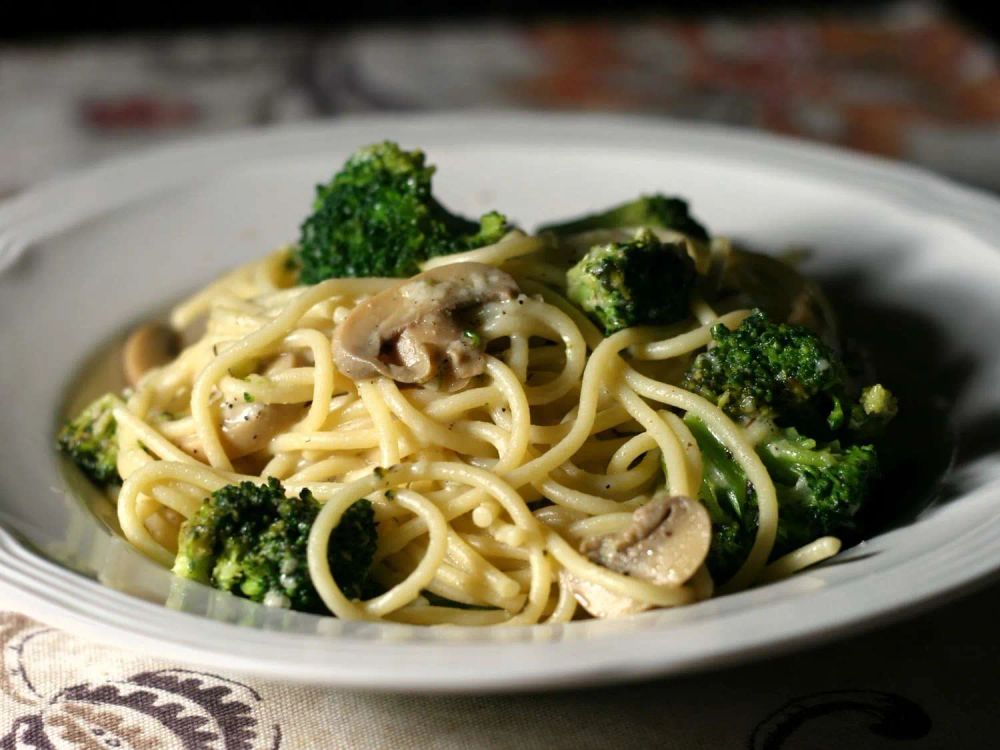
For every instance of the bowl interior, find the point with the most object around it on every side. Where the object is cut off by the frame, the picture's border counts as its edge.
(913, 272)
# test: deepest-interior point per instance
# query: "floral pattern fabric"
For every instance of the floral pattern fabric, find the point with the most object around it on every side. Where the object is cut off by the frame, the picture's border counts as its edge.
(927, 684)
(904, 82)
(908, 84)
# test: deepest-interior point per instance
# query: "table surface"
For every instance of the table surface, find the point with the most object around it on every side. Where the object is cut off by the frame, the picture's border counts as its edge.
(931, 682)
(908, 84)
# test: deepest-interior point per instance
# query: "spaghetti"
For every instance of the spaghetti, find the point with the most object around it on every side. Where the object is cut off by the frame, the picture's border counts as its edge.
(477, 426)
(482, 495)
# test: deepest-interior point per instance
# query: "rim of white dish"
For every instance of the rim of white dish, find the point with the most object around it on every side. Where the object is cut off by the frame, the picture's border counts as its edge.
(59, 596)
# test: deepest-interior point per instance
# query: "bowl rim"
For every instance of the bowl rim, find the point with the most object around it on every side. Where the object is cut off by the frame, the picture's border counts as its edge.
(57, 595)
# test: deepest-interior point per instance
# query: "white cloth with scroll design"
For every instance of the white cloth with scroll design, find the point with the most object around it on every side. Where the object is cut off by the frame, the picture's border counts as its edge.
(928, 683)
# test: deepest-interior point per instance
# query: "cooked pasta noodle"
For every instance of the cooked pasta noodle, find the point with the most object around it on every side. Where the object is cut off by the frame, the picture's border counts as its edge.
(501, 436)
(560, 413)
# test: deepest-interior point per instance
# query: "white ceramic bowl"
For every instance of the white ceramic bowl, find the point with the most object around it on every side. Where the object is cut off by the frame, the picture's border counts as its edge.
(914, 258)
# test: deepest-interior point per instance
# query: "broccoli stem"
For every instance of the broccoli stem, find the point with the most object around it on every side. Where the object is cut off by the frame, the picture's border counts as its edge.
(723, 486)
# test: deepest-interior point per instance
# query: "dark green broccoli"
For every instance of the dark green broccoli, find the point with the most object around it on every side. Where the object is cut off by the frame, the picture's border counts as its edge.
(731, 543)
(639, 282)
(730, 502)
(652, 211)
(378, 217)
(774, 370)
(90, 439)
(784, 383)
(820, 488)
(251, 540)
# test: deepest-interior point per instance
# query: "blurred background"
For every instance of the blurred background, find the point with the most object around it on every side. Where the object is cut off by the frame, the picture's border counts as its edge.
(913, 80)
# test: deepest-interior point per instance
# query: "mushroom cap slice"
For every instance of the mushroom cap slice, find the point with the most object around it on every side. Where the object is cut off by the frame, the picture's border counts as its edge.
(666, 543)
(248, 427)
(408, 332)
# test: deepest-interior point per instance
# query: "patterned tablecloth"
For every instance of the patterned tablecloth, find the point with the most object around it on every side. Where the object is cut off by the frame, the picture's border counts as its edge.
(930, 683)
(909, 84)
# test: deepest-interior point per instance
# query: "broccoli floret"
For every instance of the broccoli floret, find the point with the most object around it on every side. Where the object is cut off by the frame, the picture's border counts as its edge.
(874, 410)
(90, 439)
(352, 549)
(784, 384)
(640, 282)
(787, 373)
(492, 227)
(820, 488)
(251, 540)
(652, 211)
(378, 217)
(766, 368)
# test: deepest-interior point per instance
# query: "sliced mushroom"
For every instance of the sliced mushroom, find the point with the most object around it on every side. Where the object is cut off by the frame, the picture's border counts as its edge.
(150, 345)
(666, 543)
(599, 601)
(249, 427)
(409, 332)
